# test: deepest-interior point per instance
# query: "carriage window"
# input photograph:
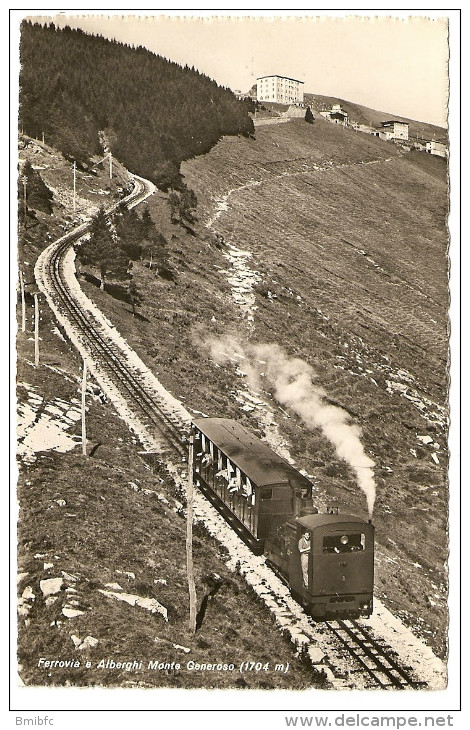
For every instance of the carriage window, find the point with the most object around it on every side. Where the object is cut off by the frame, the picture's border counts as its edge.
(266, 493)
(347, 543)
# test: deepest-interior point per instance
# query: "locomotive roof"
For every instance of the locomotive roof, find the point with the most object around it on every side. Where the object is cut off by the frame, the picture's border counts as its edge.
(311, 522)
(255, 459)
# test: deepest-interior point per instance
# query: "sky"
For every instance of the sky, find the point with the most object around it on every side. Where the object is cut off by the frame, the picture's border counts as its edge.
(396, 64)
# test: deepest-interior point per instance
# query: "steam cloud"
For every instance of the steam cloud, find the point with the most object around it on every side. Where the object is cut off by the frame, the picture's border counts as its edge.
(292, 381)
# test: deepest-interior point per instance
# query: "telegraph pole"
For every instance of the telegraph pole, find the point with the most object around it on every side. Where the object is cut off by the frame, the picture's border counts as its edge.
(189, 537)
(23, 304)
(110, 166)
(36, 330)
(24, 180)
(84, 408)
(74, 183)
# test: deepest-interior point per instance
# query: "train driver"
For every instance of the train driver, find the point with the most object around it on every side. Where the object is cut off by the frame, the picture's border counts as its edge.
(304, 550)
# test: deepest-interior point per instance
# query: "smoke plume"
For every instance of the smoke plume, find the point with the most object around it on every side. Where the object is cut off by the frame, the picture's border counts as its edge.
(292, 381)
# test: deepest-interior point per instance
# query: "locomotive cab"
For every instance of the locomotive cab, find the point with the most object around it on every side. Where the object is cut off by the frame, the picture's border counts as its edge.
(331, 564)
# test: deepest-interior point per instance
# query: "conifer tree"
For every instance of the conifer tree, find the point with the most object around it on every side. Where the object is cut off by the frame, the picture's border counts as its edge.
(147, 223)
(309, 116)
(135, 296)
(130, 232)
(38, 195)
(183, 206)
(103, 251)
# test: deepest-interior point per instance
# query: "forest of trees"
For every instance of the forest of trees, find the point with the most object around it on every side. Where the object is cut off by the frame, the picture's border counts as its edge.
(76, 88)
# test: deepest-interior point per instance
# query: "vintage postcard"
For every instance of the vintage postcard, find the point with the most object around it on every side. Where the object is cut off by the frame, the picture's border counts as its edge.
(232, 263)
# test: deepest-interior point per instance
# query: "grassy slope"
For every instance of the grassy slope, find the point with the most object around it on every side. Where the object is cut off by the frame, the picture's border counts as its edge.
(386, 312)
(307, 230)
(393, 211)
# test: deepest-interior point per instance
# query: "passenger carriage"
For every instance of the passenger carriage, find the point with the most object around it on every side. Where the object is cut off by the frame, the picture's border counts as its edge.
(241, 475)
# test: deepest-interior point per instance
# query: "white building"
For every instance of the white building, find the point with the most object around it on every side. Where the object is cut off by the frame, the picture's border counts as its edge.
(436, 148)
(394, 129)
(336, 114)
(280, 89)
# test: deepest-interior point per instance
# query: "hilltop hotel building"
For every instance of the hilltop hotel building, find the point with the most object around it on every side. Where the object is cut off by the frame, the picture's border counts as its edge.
(281, 89)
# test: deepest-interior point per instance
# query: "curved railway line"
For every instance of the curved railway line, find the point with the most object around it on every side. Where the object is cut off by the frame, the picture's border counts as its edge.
(104, 352)
(373, 659)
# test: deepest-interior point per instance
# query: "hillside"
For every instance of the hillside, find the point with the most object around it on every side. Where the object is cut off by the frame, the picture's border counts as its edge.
(91, 527)
(85, 93)
(348, 240)
(365, 115)
(330, 245)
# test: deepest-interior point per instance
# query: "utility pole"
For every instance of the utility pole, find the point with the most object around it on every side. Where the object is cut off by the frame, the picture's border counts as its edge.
(84, 408)
(36, 330)
(24, 180)
(43, 137)
(189, 537)
(23, 304)
(74, 183)
(110, 166)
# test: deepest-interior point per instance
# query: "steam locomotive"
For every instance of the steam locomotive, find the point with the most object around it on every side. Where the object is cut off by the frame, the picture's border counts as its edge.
(327, 559)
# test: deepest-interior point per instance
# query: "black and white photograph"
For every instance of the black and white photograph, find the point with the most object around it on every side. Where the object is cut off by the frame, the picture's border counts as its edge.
(233, 326)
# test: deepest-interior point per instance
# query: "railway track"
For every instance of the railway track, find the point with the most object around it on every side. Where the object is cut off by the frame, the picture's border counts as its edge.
(110, 362)
(373, 657)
